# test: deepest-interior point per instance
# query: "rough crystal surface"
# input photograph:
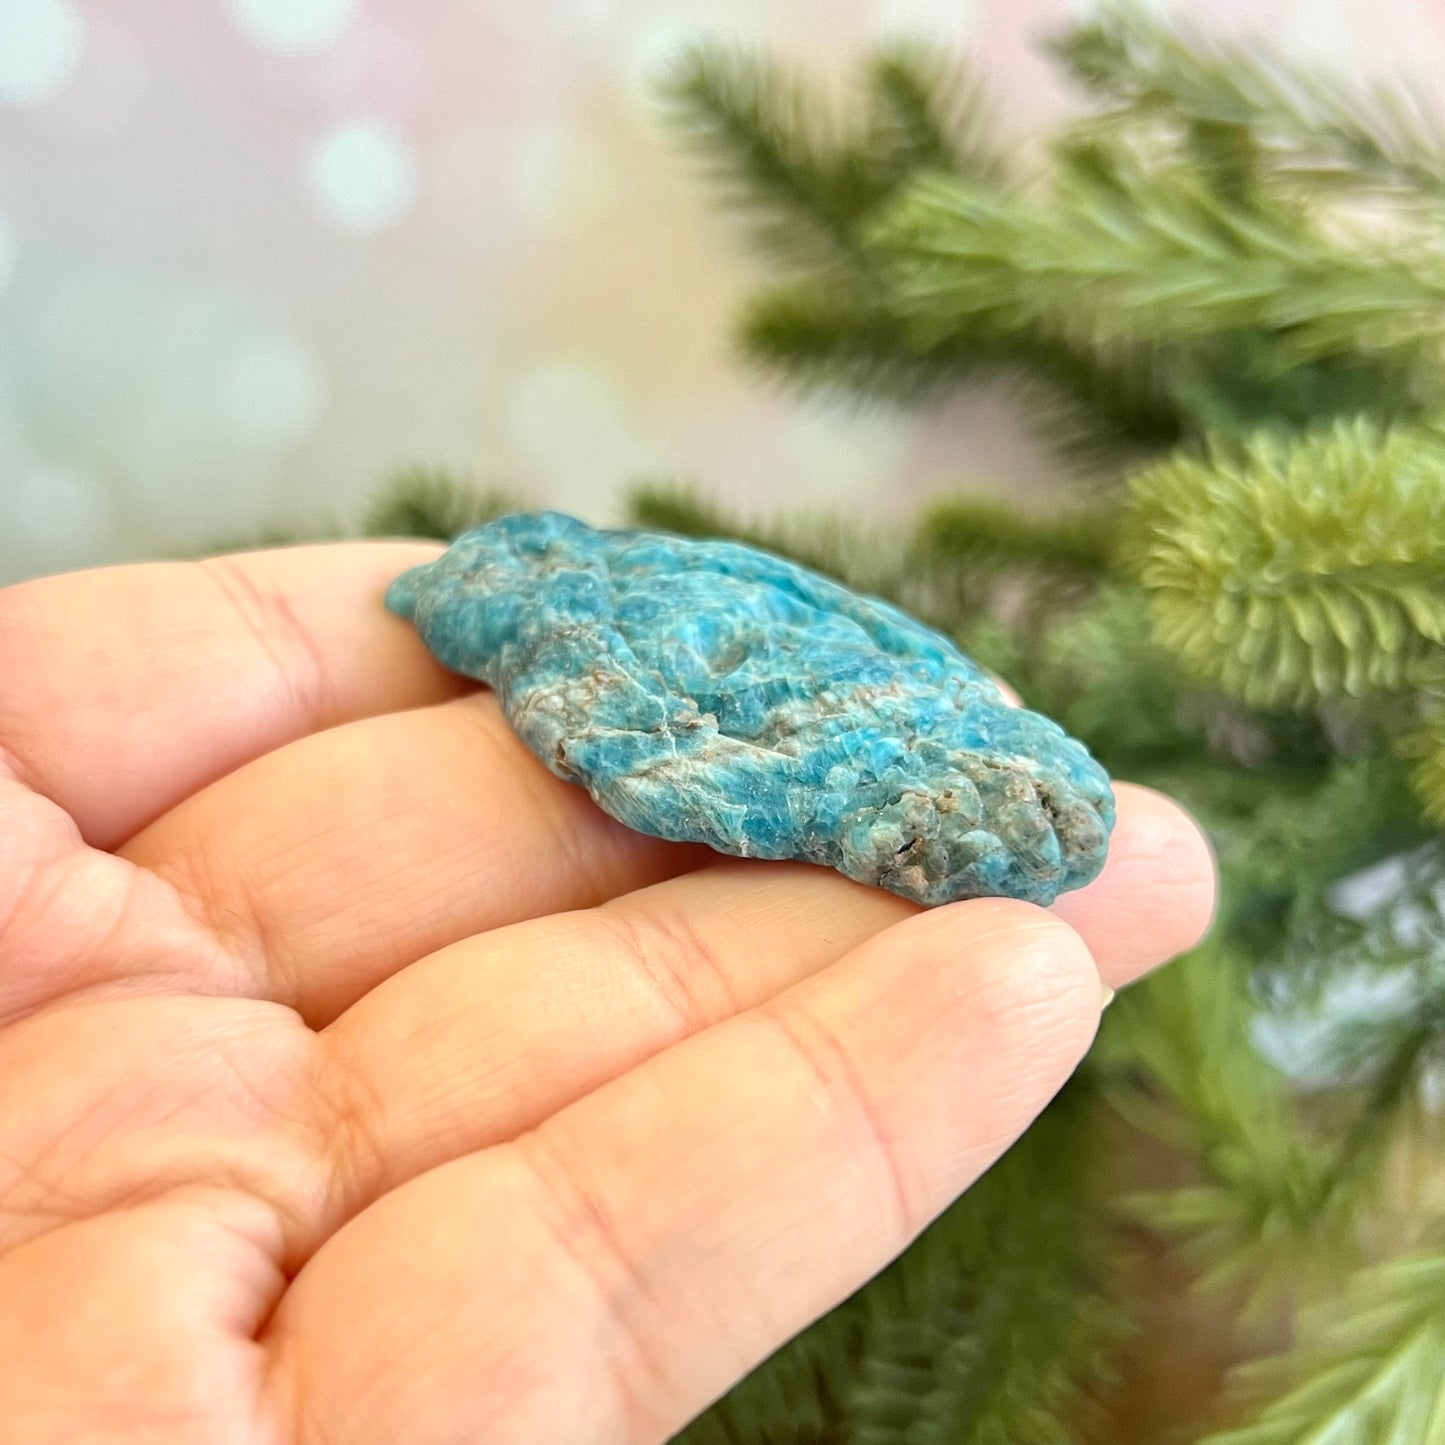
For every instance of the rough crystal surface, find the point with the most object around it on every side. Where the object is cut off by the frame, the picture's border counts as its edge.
(703, 690)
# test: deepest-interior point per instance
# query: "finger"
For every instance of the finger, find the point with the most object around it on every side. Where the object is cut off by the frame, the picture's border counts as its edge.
(340, 858)
(480, 1042)
(1156, 895)
(483, 1040)
(607, 1275)
(160, 1301)
(127, 688)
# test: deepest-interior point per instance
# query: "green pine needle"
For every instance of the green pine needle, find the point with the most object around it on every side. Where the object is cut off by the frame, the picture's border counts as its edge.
(1426, 749)
(1369, 1369)
(433, 502)
(833, 337)
(1316, 123)
(1290, 571)
(1093, 402)
(763, 135)
(976, 532)
(1157, 258)
(931, 113)
(805, 181)
(1002, 1322)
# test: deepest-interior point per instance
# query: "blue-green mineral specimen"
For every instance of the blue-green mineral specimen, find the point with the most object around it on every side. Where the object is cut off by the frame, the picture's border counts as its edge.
(707, 691)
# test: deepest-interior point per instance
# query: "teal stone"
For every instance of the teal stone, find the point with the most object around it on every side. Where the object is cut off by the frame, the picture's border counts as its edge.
(710, 692)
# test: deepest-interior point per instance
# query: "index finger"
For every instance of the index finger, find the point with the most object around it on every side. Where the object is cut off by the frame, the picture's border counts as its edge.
(126, 689)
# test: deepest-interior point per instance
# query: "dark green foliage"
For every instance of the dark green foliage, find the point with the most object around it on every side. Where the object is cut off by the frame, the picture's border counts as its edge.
(808, 185)
(1186, 1070)
(973, 533)
(433, 502)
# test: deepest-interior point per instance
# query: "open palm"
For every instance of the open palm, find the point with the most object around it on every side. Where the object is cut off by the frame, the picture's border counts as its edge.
(362, 1082)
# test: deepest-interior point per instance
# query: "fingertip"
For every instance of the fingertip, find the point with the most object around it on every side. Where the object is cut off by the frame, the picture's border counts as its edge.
(1157, 895)
(1018, 970)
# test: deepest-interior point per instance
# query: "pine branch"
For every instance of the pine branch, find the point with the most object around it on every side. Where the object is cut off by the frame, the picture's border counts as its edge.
(1367, 1370)
(1315, 123)
(1287, 571)
(1095, 668)
(668, 506)
(802, 185)
(1093, 403)
(433, 502)
(806, 182)
(1256, 1221)
(1282, 848)
(832, 337)
(930, 113)
(978, 533)
(1166, 262)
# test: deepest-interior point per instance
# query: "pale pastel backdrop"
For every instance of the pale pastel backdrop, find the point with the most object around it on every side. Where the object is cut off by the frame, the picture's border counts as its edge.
(254, 253)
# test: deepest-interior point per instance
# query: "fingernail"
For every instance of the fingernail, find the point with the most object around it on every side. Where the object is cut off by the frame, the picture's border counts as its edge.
(1107, 997)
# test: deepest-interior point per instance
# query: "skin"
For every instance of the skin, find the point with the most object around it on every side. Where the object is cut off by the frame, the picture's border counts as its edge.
(362, 1082)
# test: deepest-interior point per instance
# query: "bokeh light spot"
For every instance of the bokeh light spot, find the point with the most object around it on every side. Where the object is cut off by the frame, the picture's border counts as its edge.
(363, 176)
(561, 177)
(290, 27)
(40, 47)
(272, 393)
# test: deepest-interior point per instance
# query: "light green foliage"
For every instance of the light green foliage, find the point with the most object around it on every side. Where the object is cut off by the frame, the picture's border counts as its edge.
(1146, 255)
(1367, 1370)
(1290, 571)
(1426, 748)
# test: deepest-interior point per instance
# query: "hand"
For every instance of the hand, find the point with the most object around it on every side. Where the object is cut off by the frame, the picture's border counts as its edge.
(361, 1082)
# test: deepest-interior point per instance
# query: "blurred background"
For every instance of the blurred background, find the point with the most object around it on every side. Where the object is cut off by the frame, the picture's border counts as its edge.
(256, 253)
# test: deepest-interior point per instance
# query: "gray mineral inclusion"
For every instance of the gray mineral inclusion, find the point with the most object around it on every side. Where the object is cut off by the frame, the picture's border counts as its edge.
(707, 691)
